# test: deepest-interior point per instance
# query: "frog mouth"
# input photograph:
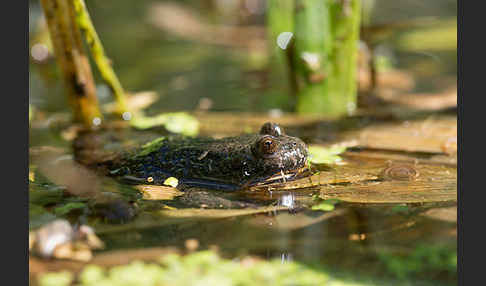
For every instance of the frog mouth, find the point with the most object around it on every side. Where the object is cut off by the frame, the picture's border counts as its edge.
(279, 177)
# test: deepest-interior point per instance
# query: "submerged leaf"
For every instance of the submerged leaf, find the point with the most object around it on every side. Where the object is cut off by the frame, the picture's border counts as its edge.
(326, 205)
(323, 207)
(400, 209)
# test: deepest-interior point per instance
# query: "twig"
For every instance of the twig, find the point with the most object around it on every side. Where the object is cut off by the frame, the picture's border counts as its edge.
(72, 60)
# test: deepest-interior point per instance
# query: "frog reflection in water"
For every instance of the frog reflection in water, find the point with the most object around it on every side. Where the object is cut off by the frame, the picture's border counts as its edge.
(227, 163)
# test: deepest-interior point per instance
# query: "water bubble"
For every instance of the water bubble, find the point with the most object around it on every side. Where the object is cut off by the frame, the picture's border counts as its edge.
(39, 52)
(96, 121)
(284, 39)
(126, 115)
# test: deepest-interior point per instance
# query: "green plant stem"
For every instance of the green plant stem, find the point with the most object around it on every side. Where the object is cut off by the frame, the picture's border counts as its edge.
(324, 53)
(98, 53)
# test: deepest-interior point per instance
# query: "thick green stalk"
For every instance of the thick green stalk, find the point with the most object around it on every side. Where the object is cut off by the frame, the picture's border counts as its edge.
(280, 19)
(346, 21)
(98, 53)
(314, 46)
(326, 48)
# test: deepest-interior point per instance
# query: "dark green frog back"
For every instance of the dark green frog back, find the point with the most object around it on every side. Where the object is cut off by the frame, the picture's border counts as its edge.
(226, 163)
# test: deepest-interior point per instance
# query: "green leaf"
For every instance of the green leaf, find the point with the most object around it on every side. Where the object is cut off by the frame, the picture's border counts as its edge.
(322, 155)
(177, 122)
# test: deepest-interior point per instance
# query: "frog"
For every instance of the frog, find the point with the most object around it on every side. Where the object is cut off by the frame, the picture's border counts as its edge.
(229, 163)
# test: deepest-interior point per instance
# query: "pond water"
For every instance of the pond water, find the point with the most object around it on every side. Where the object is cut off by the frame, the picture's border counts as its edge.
(398, 229)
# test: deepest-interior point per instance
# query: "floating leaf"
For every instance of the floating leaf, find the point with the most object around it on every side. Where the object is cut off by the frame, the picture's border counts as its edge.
(136, 101)
(322, 155)
(177, 122)
(182, 123)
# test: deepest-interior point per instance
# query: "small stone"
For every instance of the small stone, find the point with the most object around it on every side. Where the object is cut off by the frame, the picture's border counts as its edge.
(171, 181)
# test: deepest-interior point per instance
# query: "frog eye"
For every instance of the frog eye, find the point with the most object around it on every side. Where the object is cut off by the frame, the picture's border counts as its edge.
(267, 145)
(271, 128)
